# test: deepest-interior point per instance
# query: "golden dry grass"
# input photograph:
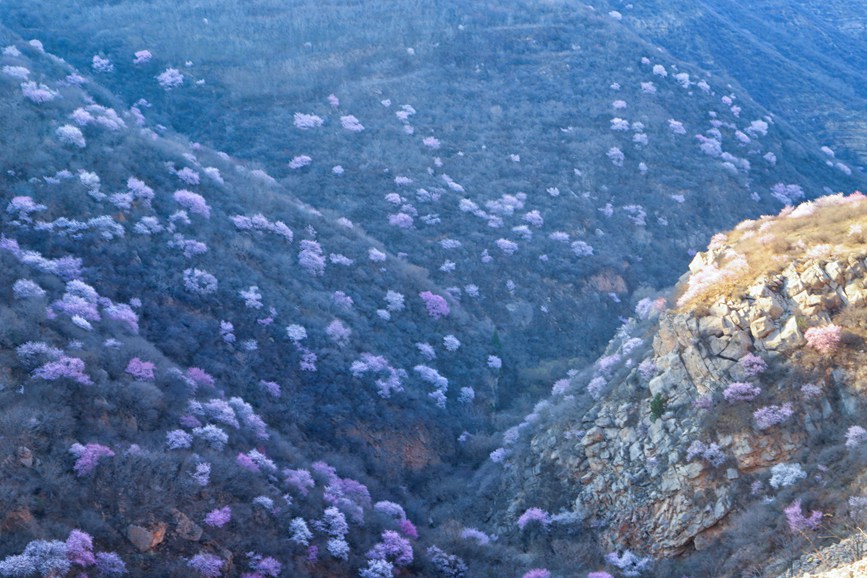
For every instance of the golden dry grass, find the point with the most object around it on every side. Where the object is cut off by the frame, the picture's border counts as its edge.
(770, 244)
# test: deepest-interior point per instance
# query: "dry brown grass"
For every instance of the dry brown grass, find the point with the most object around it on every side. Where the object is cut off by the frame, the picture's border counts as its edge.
(770, 244)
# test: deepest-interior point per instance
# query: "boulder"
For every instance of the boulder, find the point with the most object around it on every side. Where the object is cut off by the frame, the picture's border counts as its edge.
(185, 527)
(145, 539)
(24, 456)
(762, 326)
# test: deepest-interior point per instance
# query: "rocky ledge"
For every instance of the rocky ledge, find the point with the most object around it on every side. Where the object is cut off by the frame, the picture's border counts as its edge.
(664, 457)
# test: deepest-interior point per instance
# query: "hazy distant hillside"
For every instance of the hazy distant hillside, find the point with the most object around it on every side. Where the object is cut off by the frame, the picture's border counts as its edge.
(803, 59)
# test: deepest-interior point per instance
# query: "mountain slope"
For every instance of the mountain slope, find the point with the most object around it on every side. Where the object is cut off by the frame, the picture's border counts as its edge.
(526, 109)
(204, 363)
(171, 347)
(803, 59)
(749, 401)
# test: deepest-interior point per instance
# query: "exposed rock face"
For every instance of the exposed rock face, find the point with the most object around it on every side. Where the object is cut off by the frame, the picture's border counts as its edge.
(20, 518)
(844, 559)
(769, 312)
(629, 471)
(853, 570)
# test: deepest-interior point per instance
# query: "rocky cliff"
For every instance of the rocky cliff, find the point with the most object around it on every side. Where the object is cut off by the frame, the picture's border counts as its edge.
(679, 442)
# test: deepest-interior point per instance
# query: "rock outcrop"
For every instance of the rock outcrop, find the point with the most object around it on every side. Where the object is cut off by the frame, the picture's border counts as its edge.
(146, 539)
(627, 464)
(844, 559)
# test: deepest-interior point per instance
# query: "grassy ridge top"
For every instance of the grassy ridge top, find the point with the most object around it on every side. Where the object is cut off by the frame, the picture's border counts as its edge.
(828, 228)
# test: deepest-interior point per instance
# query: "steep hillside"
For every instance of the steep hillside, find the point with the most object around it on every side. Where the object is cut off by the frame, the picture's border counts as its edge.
(727, 431)
(546, 140)
(188, 352)
(801, 58)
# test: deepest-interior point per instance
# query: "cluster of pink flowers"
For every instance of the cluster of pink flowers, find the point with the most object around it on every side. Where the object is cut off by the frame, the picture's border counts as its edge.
(64, 368)
(800, 523)
(772, 415)
(437, 307)
(219, 517)
(740, 391)
(824, 339)
(193, 202)
(88, 457)
(141, 370)
(753, 365)
(534, 515)
(170, 79)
